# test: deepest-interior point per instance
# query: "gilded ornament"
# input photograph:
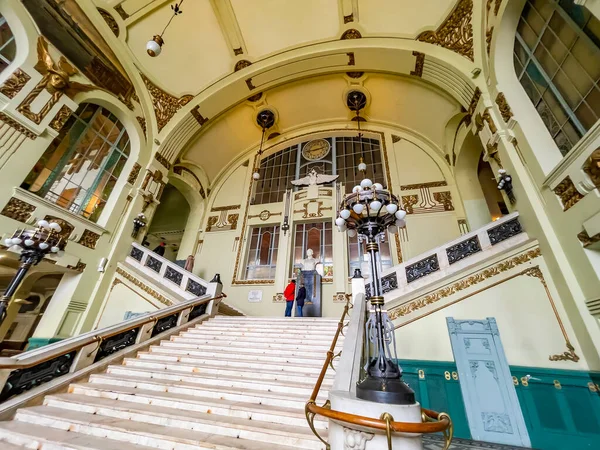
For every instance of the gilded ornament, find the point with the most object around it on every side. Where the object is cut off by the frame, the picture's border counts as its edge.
(487, 117)
(395, 138)
(351, 34)
(278, 298)
(17, 126)
(456, 33)
(133, 175)
(355, 74)
(339, 297)
(463, 284)
(225, 208)
(419, 64)
(142, 122)
(15, 83)
(586, 240)
(238, 51)
(212, 221)
(80, 267)
(505, 110)
(568, 193)
(165, 105)
(351, 59)
(255, 97)
(196, 113)
(241, 64)
(473, 104)
(18, 210)
(89, 239)
(119, 9)
(431, 184)
(349, 18)
(56, 80)
(233, 220)
(110, 21)
(264, 215)
(488, 39)
(145, 288)
(592, 167)
(319, 213)
(408, 201)
(163, 161)
(497, 7)
(445, 198)
(61, 118)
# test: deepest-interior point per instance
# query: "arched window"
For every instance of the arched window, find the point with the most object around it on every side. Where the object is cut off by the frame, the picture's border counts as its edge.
(557, 60)
(80, 168)
(8, 47)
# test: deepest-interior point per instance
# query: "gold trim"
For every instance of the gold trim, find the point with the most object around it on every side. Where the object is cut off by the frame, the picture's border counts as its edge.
(505, 110)
(89, 239)
(13, 85)
(488, 118)
(456, 32)
(162, 299)
(586, 239)
(133, 175)
(319, 212)
(349, 18)
(568, 193)
(264, 215)
(142, 122)
(225, 208)
(162, 160)
(351, 34)
(431, 184)
(61, 117)
(18, 210)
(592, 167)
(199, 118)
(110, 21)
(419, 63)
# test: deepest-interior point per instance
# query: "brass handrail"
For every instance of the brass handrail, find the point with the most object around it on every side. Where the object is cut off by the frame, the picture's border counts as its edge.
(16, 364)
(432, 422)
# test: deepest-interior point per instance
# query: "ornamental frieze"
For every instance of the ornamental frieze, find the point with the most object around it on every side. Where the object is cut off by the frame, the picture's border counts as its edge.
(89, 239)
(165, 105)
(568, 193)
(15, 83)
(18, 210)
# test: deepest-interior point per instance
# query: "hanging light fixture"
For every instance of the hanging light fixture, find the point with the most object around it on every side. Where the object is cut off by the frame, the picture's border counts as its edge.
(265, 120)
(154, 45)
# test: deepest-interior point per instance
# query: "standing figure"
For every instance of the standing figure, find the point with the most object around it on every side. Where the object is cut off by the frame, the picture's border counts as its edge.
(312, 282)
(289, 293)
(300, 300)
(160, 249)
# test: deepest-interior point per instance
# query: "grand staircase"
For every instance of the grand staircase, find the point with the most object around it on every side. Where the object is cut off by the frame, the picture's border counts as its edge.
(228, 383)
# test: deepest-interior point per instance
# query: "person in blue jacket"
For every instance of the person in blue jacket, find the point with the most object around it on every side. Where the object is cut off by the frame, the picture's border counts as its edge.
(300, 296)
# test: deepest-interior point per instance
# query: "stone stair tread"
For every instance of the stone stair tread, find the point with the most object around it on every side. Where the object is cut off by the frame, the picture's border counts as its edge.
(258, 339)
(306, 334)
(328, 376)
(241, 355)
(6, 446)
(137, 431)
(55, 438)
(273, 428)
(191, 400)
(275, 345)
(236, 350)
(272, 327)
(317, 365)
(207, 377)
(196, 387)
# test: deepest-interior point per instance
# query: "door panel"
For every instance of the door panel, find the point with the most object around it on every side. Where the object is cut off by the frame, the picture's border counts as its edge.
(493, 410)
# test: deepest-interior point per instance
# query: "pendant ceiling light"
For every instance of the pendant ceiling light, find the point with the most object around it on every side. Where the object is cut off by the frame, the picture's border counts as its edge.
(265, 119)
(154, 46)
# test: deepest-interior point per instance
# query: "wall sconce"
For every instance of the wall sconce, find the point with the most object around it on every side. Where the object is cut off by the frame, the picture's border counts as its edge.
(505, 184)
(138, 223)
(154, 45)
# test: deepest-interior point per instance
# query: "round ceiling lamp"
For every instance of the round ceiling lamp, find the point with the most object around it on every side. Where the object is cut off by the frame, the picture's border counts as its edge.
(265, 120)
(154, 45)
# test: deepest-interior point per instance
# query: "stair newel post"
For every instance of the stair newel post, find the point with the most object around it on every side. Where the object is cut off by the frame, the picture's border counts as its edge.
(215, 288)
(358, 285)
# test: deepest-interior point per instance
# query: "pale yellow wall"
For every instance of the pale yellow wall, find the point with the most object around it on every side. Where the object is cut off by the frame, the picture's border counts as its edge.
(120, 300)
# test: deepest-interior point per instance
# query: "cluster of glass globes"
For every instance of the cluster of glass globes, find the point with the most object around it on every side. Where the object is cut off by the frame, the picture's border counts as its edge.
(371, 203)
(43, 238)
(504, 179)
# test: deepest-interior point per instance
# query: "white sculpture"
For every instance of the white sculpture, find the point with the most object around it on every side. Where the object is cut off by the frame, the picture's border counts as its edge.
(313, 178)
(309, 263)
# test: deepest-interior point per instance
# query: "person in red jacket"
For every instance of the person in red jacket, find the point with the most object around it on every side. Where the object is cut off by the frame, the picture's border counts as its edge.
(289, 294)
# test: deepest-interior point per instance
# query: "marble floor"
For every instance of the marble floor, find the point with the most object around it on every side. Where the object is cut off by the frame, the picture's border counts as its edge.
(437, 443)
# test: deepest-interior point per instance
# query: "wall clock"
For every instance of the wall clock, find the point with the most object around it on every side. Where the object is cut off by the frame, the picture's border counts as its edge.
(316, 150)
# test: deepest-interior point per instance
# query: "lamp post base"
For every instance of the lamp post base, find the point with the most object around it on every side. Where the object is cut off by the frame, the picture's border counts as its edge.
(385, 390)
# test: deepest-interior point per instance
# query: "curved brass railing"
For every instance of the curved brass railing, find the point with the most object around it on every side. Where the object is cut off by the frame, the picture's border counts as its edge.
(432, 422)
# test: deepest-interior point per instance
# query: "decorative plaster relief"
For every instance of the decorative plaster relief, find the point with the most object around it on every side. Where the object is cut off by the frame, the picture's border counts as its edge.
(309, 211)
(110, 21)
(505, 110)
(133, 175)
(165, 105)
(142, 122)
(586, 239)
(419, 63)
(17, 126)
(67, 228)
(355, 439)
(89, 239)
(568, 193)
(61, 118)
(18, 210)
(456, 33)
(162, 160)
(592, 168)
(13, 85)
(143, 287)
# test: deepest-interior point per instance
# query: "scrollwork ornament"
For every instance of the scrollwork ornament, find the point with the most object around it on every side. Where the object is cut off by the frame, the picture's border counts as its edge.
(456, 33)
(165, 105)
(355, 439)
(61, 118)
(15, 83)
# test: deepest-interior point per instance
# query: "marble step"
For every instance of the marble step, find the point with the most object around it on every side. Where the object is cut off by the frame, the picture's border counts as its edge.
(258, 334)
(206, 353)
(244, 364)
(274, 319)
(218, 346)
(273, 327)
(234, 342)
(258, 384)
(32, 436)
(6, 446)
(216, 370)
(157, 436)
(263, 337)
(253, 331)
(246, 395)
(217, 406)
(255, 430)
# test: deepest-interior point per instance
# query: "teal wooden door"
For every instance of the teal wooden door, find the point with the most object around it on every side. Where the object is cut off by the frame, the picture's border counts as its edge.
(562, 408)
(437, 387)
(491, 402)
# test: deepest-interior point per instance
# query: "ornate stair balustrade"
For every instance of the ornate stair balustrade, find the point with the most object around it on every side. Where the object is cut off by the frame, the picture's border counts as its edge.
(468, 250)
(160, 269)
(38, 367)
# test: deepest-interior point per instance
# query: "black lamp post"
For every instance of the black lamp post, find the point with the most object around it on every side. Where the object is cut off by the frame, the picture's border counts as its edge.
(138, 223)
(505, 184)
(370, 211)
(34, 245)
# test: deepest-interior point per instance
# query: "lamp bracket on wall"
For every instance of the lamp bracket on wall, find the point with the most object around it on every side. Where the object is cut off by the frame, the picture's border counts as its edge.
(265, 119)
(356, 100)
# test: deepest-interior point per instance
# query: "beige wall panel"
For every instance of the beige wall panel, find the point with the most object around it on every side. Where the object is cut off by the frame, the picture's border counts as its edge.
(121, 300)
(428, 231)
(269, 26)
(231, 191)
(402, 17)
(413, 165)
(181, 67)
(528, 328)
